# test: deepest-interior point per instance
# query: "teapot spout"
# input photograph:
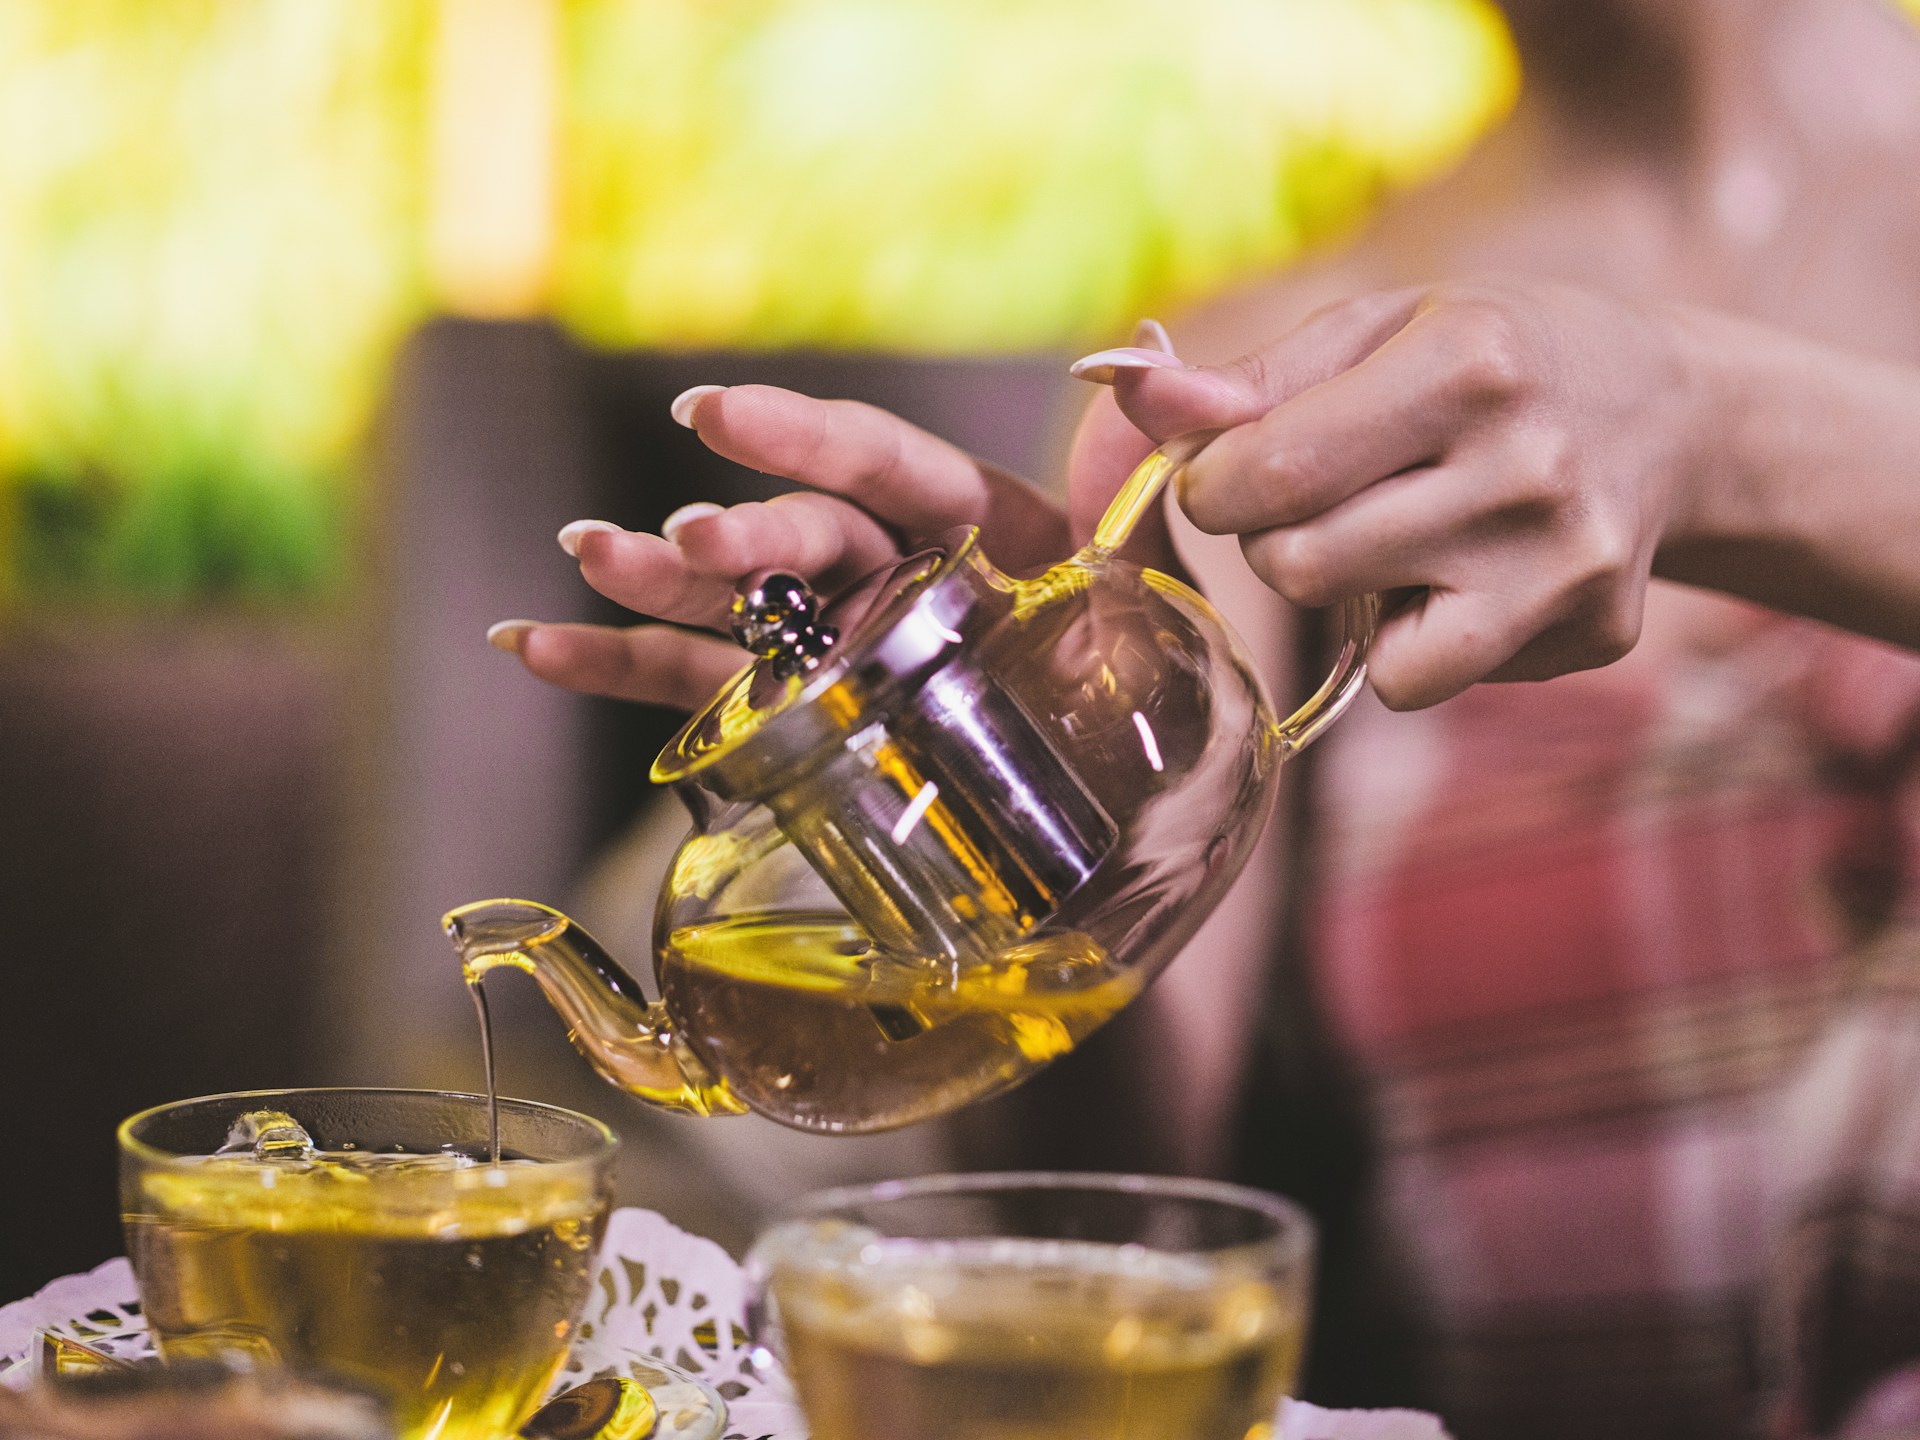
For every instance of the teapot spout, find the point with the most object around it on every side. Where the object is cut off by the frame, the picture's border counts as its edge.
(628, 1040)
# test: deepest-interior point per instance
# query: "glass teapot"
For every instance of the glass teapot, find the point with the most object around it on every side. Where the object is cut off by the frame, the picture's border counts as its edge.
(943, 829)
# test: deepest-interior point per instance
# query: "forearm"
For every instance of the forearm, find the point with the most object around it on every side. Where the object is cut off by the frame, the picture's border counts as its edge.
(1804, 484)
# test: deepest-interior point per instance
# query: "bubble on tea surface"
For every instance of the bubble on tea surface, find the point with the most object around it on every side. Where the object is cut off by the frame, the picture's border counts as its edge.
(268, 1135)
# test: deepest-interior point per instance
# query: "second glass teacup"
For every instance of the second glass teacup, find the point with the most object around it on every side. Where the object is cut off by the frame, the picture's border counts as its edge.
(1042, 1306)
(363, 1234)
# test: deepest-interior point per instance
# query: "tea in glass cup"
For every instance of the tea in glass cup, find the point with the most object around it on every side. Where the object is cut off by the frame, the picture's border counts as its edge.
(365, 1234)
(1037, 1307)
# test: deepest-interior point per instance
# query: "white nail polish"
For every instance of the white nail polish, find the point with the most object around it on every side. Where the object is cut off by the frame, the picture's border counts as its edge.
(1101, 366)
(570, 535)
(689, 512)
(510, 635)
(684, 403)
(1152, 335)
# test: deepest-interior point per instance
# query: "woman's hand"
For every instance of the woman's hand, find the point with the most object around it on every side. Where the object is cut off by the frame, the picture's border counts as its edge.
(1506, 457)
(875, 485)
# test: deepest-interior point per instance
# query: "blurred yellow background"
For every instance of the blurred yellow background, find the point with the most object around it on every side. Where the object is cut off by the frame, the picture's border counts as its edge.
(218, 218)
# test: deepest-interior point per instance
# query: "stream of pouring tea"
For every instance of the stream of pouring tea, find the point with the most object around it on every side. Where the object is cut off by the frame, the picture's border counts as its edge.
(486, 1059)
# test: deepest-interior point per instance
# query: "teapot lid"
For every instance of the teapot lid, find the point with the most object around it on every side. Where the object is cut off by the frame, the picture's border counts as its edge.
(825, 675)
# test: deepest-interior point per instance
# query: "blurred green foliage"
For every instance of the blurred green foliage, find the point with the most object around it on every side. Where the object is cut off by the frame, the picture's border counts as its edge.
(207, 217)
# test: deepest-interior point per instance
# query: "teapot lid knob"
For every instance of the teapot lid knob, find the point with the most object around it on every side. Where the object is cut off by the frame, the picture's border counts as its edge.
(824, 670)
(777, 616)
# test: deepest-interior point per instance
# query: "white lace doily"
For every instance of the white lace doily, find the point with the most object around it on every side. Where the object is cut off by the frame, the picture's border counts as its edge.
(661, 1293)
(679, 1298)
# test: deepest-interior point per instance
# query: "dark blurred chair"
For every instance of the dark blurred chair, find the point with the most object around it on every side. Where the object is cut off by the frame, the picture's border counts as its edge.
(169, 790)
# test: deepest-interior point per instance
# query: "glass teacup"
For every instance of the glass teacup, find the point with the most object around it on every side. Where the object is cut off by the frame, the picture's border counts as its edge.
(1042, 1306)
(364, 1234)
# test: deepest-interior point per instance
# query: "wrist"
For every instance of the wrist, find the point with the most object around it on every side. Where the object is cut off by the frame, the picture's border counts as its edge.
(1728, 511)
(1710, 496)
(1800, 490)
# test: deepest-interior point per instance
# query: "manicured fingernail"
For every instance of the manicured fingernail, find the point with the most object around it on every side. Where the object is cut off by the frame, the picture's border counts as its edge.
(684, 403)
(1152, 335)
(510, 635)
(571, 535)
(1101, 366)
(689, 512)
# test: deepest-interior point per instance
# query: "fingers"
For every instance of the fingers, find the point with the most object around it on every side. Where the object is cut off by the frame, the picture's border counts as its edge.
(1505, 585)
(1165, 402)
(1446, 639)
(1447, 633)
(895, 471)
(650, 574)
(1400, 407)
(876, 479)
(1435, 646)
(1455, 443)
(651, 664)
(1153, 396)
(824, 540)
(1107, 448)
(1442, 525)
(1398, 534)
(689, 578)
(907, 479)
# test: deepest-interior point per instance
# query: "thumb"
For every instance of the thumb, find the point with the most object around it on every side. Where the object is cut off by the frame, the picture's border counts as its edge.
(1163, 397)
(1107, 448)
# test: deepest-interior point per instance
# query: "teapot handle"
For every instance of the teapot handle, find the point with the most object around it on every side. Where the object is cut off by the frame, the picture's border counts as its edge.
(1357, 619)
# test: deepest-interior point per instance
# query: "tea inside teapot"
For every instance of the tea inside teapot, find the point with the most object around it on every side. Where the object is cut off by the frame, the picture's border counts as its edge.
(795, 1014)
(944, 828)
